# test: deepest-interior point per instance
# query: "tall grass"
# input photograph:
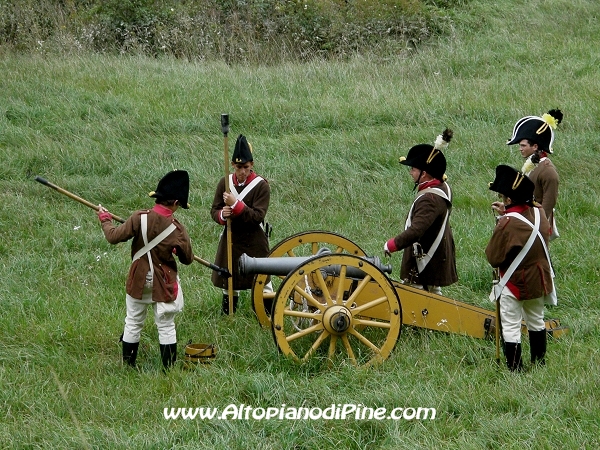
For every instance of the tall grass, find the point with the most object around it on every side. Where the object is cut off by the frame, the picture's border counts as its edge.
(327, 136)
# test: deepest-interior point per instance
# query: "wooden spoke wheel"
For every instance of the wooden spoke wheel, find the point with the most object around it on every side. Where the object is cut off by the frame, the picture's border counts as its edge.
(322, 311)
(306, 244)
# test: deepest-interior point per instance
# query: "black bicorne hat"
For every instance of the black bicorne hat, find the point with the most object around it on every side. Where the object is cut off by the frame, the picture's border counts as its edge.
(537, 130)
(430, 157)
(513, 184)
(243, 151)
(174, 186)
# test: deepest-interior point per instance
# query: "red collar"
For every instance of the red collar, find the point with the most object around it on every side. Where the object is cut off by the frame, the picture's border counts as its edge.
(162, 210)
(251, 177)
(516, 208)
(428, 184)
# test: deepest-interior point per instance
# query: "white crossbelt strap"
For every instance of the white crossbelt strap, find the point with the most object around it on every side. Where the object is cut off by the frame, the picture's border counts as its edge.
(536, 213)
(424, 260)
(246, 190)
(150, 245)
(513, 266)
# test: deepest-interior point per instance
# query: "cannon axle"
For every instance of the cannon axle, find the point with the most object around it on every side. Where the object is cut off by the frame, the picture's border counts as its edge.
(337, 320)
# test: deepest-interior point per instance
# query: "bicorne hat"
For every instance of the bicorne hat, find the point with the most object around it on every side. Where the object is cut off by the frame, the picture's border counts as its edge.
(537, 130)
(243, 151)
(513, 184)
(174, 186)
(429, 157)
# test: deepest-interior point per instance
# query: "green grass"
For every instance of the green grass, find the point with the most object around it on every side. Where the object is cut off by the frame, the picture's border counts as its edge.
(327, 136)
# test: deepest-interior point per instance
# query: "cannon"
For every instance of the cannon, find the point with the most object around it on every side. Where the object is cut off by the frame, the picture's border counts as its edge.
(283, 266)
(330, 299)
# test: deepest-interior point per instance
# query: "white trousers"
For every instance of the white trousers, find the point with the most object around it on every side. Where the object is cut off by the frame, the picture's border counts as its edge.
(164, 317)
(513, 311)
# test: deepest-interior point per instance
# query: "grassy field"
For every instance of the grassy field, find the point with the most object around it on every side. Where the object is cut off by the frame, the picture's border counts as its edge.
(327, 136)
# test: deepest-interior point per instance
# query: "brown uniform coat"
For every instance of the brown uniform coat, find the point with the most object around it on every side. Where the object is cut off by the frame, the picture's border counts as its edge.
(247, 236)
(545, 180)
(165, 267)
(532, 278)
(427, 218)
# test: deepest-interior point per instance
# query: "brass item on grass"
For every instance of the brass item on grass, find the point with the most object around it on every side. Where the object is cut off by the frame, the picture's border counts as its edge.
(200, 354)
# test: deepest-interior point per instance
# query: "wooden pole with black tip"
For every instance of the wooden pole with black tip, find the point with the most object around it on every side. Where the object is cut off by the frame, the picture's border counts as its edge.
(225, 129)
(95, 207)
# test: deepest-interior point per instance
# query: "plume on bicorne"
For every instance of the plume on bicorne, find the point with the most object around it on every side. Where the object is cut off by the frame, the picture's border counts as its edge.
(553, 117)
(442, 141)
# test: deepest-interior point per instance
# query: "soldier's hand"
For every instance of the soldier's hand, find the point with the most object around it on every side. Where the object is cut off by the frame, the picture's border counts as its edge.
(498, 207)
(228, 198)
(227, 212)
(103, 214)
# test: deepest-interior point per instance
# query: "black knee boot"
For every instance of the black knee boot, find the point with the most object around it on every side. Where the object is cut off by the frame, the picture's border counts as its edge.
(168, 354)
(512, 351)
(537, 343)
(130, 353)
(268, 306)
(225, 304)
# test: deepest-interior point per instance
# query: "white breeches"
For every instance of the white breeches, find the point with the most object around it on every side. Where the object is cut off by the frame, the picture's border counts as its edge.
(164, 317)
(513, 311)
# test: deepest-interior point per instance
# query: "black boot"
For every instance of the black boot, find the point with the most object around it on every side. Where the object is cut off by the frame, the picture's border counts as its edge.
(168, 354)
(130, 353)
(268, 306)
(225, 304)
(537, 343)
(512, 351)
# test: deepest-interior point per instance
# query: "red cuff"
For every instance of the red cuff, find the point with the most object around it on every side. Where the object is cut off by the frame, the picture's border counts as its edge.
(391, 244)
(238, 207)
(104, 216)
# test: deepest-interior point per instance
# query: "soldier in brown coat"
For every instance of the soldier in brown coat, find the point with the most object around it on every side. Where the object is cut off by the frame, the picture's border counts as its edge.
(153, 278)
(429, 259)
(535, 136)
(520, 254)
(246, 205)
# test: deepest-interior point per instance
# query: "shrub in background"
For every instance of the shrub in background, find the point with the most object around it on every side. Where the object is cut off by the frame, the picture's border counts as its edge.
(233, 30)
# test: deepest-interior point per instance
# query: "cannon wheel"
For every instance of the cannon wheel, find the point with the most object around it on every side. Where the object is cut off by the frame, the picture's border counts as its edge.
(327, 314)
(301, 244)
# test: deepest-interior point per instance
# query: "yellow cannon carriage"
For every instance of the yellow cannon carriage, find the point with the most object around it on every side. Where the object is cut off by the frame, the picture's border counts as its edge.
(330, 299)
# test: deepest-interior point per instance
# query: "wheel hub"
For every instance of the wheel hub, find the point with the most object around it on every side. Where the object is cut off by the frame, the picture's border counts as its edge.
(337, 320)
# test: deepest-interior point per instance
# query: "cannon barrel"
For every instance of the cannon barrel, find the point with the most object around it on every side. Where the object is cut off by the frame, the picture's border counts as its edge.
(284, 265)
